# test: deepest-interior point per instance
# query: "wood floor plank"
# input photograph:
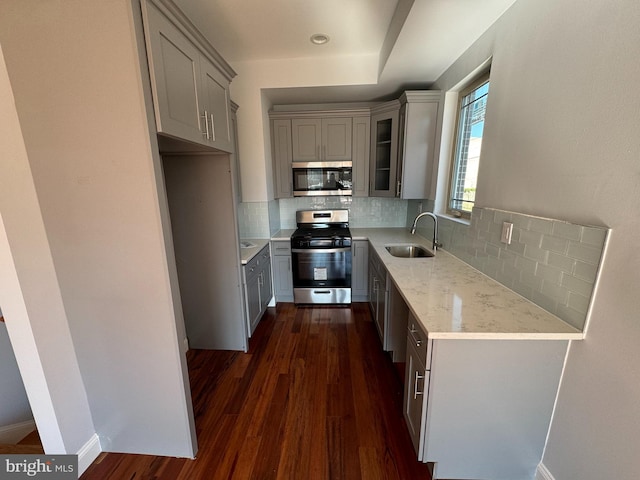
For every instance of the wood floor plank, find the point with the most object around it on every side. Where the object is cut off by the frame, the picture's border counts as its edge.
(314, 398)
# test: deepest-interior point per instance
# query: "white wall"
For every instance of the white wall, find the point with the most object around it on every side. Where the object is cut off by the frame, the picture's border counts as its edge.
(30, 295)
(76, 77)
(562, 141)
(14, 404)
(253, 118)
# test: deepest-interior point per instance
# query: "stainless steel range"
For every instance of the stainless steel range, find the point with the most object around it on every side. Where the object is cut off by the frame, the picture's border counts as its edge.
(321, 257)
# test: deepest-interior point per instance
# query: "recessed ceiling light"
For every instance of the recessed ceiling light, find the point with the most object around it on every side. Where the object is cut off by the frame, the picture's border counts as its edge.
(319, 38)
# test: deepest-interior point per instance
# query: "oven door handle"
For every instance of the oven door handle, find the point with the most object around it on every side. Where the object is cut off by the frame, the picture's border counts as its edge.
(320, 250)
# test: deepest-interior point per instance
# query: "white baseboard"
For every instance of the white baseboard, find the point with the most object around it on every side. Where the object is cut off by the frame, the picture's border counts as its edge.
(542, 473)
(88, 453)
(11, 434)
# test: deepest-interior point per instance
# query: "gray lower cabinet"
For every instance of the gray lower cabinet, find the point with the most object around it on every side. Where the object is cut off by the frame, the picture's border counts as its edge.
(257, 284)
(360, 271)
(478, 408)
(378, 295)
(416, 383)
(282, 272)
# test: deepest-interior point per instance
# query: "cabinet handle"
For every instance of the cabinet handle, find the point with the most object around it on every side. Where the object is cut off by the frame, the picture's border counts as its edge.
(398, 188)
(415, 385)
(213, 129)
(206, 125)
(260, 281)
(416, 338)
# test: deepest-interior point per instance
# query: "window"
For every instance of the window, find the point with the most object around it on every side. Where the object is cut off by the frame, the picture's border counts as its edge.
(464, 172)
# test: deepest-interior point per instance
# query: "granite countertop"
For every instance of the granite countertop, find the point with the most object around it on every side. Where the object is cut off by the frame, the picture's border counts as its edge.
(453, 300)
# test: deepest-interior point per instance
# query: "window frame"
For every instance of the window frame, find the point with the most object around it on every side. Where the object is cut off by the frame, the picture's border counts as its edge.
(474, 84)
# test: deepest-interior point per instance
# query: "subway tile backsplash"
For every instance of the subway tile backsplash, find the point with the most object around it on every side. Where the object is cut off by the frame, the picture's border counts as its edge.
(550, 262)
(363, 212)
(253, 219)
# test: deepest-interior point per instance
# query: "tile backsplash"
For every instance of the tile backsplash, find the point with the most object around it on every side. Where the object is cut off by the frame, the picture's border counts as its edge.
(264, 219)
(550, 262)
(253, 219)
(363, 212)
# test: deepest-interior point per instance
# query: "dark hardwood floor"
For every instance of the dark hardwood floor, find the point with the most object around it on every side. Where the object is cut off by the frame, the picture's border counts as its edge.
(315, 398)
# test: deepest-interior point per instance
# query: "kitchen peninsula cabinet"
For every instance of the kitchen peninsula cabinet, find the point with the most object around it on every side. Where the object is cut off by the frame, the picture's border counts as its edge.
(321, 139)
(499, 395)
(189, 80)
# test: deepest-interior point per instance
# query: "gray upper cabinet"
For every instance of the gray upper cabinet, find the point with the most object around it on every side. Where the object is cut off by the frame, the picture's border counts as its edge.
(282, 157)
(405, 146)
(302, 135)
(418, 145)
(384, 150)
(321, 139)
(215, 107)
(361, 146)
(190, 81)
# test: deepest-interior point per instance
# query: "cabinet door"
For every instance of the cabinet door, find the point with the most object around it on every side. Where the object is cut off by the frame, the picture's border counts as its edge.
(361, 143)
(384, 154)
(266, 292)
(359, 274)
(282, 278)
(235, 159)
(381, 310)
(175, 70)
(373, 286)
(416, 390)
(307, 139)
(419, 148)
(253, 301)
(336, 139)
(215, 106)
(282, 157)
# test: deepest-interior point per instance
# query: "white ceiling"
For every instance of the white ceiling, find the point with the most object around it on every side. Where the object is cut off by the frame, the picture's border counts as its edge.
(434, 34)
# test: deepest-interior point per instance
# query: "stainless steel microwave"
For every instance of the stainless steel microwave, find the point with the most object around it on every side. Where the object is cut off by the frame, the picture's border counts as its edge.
(321, 178)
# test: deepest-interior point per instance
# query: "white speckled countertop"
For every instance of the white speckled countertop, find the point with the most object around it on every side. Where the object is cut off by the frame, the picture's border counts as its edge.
(247, 253)
(453, 300)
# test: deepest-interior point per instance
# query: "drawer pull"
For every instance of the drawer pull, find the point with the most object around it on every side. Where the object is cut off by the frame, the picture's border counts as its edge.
(415, 385)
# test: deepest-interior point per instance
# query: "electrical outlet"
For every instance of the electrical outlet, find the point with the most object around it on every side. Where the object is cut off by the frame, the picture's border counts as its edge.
(507, 230)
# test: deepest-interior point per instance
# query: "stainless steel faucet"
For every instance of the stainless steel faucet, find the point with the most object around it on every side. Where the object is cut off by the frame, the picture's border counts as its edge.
(435, 228)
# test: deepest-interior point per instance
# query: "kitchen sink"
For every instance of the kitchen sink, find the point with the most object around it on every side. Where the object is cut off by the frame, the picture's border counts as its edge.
(408, 251)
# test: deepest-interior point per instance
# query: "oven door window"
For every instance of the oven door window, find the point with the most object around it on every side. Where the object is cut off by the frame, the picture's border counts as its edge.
(321, 179)
(316, 268)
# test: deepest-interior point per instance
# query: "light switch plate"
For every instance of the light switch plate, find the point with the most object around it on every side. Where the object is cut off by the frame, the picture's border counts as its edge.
(507, 230)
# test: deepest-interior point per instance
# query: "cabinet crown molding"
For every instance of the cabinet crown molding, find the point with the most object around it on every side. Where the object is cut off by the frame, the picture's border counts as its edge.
(318, 112)
(416, 96)
(183, 23)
